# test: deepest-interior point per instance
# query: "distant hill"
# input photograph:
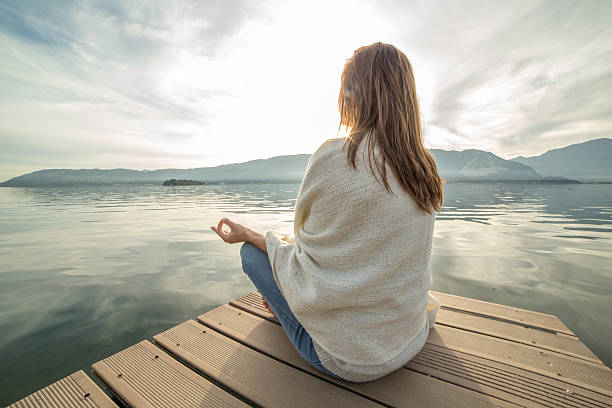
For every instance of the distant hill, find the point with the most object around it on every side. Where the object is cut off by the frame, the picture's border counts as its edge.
(480, 165)
(277, 168)
(467, 165)
(588, 161)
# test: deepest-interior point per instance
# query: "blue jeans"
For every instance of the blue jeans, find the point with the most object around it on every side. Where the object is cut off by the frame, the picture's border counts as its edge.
(256, 265)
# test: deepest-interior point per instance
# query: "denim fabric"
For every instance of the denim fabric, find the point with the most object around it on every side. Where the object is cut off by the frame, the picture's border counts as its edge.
(256, 265)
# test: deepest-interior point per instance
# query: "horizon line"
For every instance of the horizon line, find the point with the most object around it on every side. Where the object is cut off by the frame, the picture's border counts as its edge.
(284, 155)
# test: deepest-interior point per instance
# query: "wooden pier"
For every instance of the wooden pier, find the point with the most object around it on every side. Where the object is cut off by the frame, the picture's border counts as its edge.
(478, 354)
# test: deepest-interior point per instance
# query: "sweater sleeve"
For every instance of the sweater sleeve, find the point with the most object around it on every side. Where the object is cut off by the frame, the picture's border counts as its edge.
(280, 247)
(286, 252)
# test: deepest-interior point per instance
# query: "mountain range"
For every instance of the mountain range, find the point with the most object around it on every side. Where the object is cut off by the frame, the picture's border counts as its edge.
(588, 161)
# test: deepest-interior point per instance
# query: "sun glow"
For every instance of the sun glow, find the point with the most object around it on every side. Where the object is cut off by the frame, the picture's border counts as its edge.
(276, 85)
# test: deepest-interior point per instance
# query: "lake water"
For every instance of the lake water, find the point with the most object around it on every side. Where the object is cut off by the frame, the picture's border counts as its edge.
(88, 271)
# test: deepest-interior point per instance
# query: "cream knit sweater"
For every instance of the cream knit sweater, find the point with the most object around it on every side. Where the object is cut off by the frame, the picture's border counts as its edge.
(356, 271)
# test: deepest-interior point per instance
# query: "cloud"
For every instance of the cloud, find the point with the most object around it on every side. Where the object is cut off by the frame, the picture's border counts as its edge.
(91, 77)
(532, 70)
(114, 83)
(36, 22)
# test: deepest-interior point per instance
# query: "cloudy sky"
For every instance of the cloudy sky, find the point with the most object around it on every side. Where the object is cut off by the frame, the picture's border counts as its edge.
(157, 84)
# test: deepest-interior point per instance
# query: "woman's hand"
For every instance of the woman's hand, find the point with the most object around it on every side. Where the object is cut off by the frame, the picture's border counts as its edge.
(237, 233)
(240, 233)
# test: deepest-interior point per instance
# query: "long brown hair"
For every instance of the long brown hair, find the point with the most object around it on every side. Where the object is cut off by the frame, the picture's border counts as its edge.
(378, 101)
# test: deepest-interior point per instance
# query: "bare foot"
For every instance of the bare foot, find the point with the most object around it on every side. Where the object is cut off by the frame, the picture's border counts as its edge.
(267, 306)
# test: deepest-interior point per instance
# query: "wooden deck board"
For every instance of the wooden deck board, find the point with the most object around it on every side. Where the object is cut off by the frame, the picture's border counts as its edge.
(479, 354)
(576, 371)
(551, 341)
(572, 376)
(76, 391)
(257, 377)
(144, 376)
(402, 388)
(542, 339)
(495, 379)
(512, 314)
(500, 379)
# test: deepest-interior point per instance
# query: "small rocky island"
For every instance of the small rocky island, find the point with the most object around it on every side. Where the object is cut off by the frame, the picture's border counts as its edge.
(175, 182)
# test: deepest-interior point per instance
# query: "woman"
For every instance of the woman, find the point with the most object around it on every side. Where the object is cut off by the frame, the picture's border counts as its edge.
(350, 287)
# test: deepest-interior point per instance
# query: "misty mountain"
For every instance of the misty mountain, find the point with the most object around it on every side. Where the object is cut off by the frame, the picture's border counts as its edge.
(588, 161)
(467, 165)
(479, 165)
(279, 168)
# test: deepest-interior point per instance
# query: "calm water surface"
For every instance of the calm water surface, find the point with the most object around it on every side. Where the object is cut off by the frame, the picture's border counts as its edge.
(87, 271)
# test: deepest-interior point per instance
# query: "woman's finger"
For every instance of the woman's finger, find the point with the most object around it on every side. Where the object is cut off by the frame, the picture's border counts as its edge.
(222, 234)
(236, 231)
(217, 231)
(231, 224)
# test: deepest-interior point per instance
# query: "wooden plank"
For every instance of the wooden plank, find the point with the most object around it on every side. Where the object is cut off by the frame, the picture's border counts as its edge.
(575, 371)
(558, 342)
(251, 302)
(76, 391)
(402, 388)
(502, 312)
(542, 340)
(259, 378)
(498, 379)
(571, 370)
(144, 376)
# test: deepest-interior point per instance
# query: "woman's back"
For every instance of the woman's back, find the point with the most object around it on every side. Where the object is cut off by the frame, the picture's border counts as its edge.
(357, 274)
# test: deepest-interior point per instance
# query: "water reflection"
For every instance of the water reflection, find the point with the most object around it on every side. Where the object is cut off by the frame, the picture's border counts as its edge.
(86, 271)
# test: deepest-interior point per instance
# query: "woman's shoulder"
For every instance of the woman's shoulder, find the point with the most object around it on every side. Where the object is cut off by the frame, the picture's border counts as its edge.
(326, 161)
(330, 145)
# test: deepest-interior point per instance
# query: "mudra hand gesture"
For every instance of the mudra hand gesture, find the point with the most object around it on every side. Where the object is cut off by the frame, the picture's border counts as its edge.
(237, 232)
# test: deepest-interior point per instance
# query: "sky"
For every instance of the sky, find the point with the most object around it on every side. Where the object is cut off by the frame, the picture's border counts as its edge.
(181, 84)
